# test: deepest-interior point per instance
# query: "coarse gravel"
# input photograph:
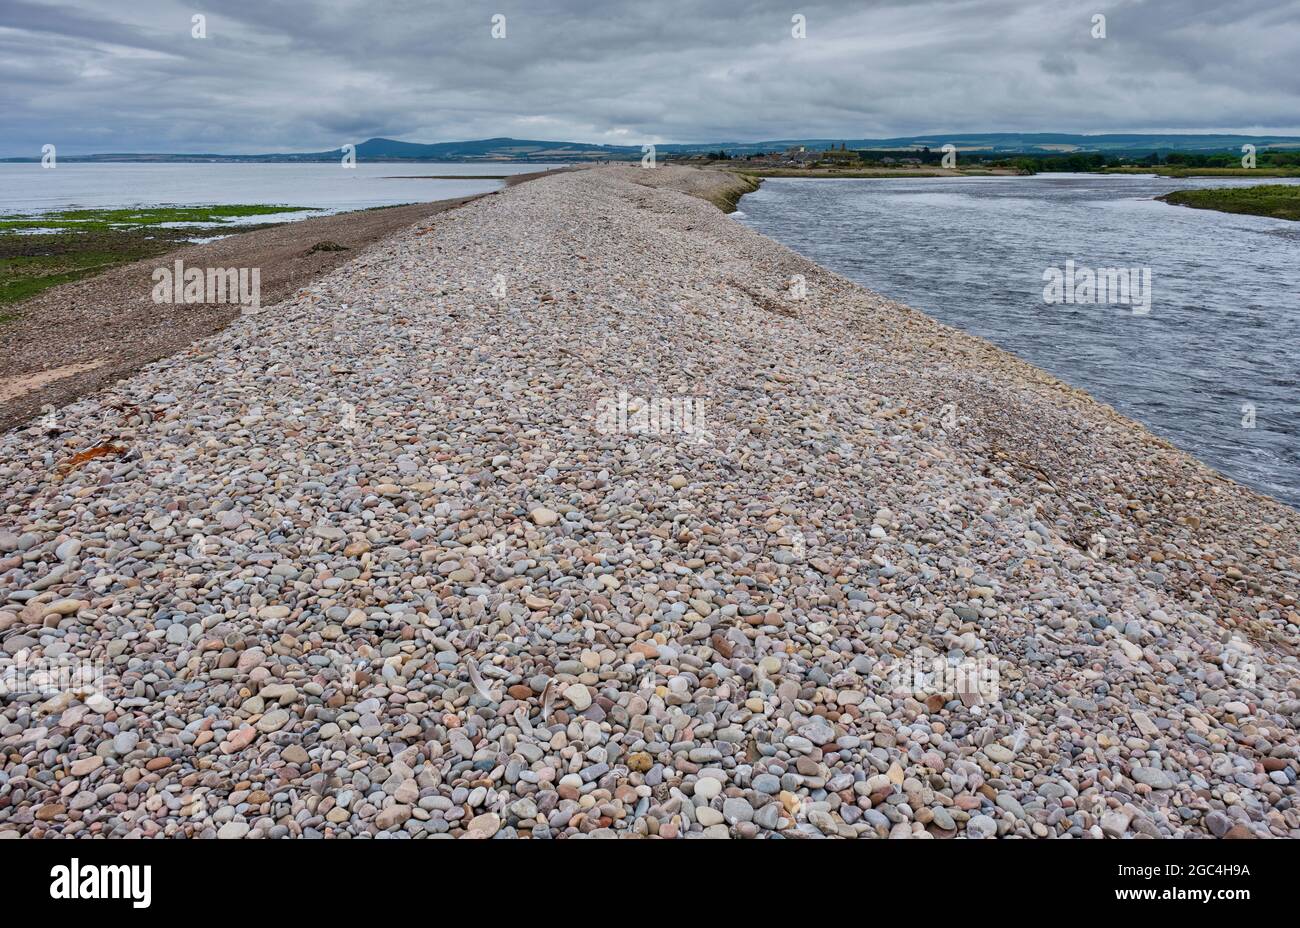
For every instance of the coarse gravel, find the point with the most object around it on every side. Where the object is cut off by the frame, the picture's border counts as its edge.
(379, 562)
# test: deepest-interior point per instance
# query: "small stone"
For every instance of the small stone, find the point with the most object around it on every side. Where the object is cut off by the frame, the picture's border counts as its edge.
(1154, 777)
(707, 788)
(1145, 725)
(392, 817)
(86, 765)
(578, 696)
(485, 825)
(708, 817)
(981, 826)
(998, 753)
(125, 742)
(1115, 822)
(735, 810)
(273, 721)
(1218, 823)
(50, 811)
(238, 740)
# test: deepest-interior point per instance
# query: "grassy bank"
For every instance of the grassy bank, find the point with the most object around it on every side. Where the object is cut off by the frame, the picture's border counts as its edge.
(727, 200)
(39, 251)
(1279, 201)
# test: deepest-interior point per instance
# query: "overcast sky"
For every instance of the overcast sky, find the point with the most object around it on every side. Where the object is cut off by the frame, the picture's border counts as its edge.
(303, 75)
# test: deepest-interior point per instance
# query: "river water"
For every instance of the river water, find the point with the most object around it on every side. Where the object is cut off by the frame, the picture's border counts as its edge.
(1217, 352)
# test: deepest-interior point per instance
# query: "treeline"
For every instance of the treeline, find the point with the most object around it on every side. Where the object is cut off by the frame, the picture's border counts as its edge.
(1079, 161)
(1272, 159)
(1084, 162)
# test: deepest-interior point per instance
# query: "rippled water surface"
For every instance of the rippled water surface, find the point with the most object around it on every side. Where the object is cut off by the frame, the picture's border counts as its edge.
(1223, 331)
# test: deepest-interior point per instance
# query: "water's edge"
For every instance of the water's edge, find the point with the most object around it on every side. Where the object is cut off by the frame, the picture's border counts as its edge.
(1206, 368)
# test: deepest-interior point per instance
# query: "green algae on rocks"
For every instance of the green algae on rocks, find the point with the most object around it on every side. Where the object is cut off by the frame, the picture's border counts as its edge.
(43, 250)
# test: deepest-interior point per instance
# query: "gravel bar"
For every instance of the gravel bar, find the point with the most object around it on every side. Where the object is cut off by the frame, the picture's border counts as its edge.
(585, 511)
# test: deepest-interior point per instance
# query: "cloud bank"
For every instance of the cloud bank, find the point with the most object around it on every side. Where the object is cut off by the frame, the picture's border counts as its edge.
(275, 75)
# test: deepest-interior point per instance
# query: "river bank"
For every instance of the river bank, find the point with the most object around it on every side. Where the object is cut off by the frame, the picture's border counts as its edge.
(1213, 346)
(1276, 201)
(379, 559)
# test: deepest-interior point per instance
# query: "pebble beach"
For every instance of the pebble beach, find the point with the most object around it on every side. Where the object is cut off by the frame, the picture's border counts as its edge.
(377, 562)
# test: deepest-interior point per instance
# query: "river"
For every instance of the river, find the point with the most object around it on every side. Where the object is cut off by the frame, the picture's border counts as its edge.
(1213, 365)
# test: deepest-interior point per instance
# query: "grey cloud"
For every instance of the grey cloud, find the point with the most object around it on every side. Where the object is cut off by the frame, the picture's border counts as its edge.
(275, 75)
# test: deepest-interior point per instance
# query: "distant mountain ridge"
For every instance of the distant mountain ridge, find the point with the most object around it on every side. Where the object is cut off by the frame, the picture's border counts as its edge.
(534, 150)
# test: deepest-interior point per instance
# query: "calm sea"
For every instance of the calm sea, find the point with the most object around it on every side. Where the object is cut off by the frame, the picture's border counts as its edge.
(329, 187)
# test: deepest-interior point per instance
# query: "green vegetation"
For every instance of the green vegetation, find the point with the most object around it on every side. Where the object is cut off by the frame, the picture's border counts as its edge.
(98, 220)
(1279, 201)
(26, 275)
(927, 160)
(728, 199)
(39, 251)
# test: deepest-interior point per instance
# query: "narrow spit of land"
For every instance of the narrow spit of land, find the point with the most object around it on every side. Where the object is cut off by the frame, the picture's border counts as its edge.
(395, 556)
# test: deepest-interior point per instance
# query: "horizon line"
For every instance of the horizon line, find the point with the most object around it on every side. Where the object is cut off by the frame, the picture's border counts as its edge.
(723, 142)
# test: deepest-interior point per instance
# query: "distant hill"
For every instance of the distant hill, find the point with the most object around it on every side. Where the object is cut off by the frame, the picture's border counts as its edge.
(532, 150)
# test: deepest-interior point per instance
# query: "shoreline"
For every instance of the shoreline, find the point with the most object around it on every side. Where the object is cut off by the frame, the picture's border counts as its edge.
(381, 518)
(75, 338)
(1272, 201)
